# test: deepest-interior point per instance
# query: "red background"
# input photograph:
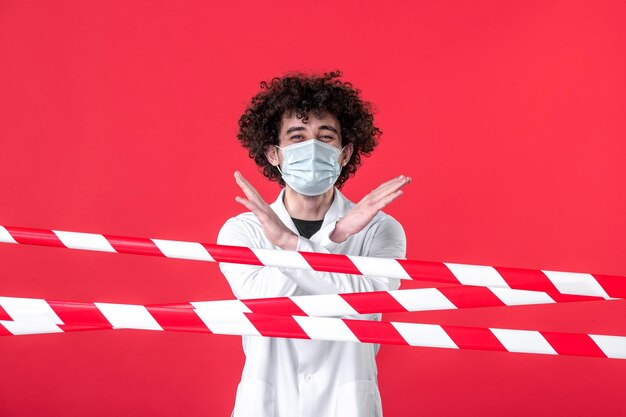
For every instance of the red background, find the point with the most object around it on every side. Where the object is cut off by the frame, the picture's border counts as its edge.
(120, 118)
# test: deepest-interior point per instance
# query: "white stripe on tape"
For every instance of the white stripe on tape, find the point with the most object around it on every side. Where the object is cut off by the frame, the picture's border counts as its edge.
(524, 341)
(427, 335)
(284, 259)
(5, 236)
(29, 309)
(85, 241)
(612, 346)
(128, 316)
(482, 275)
(230, 322)
(576, 283)
(221, 305)
(183, 250)
(30, 327)
(323, 305)
(422, 299)
(375, 267)
(319, 328)
(521, 297)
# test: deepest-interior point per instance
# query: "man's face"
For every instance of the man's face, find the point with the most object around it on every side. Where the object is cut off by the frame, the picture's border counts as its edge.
(293, 130)
(325, 129)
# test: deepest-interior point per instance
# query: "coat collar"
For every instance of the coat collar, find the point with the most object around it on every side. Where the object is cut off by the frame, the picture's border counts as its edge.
(338, 208)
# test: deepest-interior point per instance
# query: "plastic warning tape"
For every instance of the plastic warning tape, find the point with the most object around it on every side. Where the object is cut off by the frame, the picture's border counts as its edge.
(36, 316)
(551, 282)
(408, 300)
(345, 304)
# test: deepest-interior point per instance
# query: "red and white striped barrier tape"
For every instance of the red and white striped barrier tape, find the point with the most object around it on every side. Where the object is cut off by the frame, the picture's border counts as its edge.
(346, 304)
(409, 300)
(551, 282)
(34, 316)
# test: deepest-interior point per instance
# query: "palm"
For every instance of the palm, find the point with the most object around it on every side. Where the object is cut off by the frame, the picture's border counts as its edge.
(362, 214)
(273, 228)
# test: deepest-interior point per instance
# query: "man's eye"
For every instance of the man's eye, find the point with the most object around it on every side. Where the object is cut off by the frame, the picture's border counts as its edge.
(296, 136)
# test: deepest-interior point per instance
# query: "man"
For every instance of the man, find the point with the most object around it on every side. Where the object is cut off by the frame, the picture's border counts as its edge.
(308, 133)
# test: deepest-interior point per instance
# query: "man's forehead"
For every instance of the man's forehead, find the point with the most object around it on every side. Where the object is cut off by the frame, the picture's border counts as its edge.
(290, 119)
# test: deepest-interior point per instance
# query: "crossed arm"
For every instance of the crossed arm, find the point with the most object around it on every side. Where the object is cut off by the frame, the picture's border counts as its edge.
(385, 239)
(352, 223)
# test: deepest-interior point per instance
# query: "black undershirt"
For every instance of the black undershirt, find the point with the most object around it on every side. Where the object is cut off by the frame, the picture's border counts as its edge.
(307, 228)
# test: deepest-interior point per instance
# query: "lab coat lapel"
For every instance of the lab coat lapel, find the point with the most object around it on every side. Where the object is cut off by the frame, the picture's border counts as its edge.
(279, 208)
(338, 208)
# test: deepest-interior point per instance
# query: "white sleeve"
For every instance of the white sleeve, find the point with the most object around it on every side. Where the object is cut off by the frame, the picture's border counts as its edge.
(386, 240)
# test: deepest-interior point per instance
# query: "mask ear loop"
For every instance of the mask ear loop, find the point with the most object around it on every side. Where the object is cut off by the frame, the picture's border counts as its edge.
(278, 166)
(340, 152)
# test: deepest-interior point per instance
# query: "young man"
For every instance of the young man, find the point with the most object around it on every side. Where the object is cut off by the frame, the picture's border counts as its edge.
(308, 133)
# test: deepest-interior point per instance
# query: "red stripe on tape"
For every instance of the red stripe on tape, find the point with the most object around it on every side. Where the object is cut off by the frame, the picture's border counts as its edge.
(279, 305)
(429, 271)
(82, 327)
(373, 302)
(77, 314)
(564, 298)
(177, 318)
(614, 286)
(277, 326)
(170, 305)
(4, 331)
(324, 263)
(4, 315)
(133, 245)
(474, 338)
(467, 297)
(233, 254)
(526, 279)
(573, 344)
(29, 236)
(375, 332)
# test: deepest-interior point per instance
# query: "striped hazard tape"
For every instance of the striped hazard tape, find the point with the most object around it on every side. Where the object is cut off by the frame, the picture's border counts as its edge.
(553, 282)
(312, 317)
(22, 316)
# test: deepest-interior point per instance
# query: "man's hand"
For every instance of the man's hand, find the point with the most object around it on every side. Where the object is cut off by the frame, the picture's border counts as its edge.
(274, 229)
(363, 213)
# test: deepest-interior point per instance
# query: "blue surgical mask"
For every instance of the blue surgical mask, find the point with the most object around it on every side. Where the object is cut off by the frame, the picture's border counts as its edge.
(310, 167)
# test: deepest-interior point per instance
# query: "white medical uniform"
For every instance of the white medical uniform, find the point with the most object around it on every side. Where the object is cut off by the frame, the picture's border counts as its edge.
(309, 378)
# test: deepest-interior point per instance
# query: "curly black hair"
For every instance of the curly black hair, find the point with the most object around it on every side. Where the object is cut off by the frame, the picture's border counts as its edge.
(301, 93)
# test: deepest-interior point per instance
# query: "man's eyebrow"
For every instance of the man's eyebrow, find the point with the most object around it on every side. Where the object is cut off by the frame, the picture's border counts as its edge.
(294, 129)
(332, 129)
(299, 128)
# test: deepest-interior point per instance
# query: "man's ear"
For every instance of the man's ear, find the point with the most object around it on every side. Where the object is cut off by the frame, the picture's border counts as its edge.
(271, 153)
(346, 155)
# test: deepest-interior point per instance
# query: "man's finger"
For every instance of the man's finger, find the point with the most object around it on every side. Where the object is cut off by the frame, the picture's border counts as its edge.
(245, 203)
(390, 187)
(389, 182)
(252, 205)
(375, 193)
(246, 187)
(252, 189)
(382, 203)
